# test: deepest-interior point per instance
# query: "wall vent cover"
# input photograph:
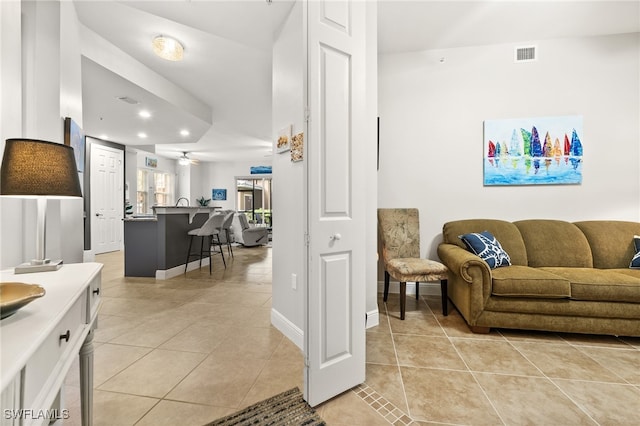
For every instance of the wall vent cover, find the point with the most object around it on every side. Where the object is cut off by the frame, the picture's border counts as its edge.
(526, 54)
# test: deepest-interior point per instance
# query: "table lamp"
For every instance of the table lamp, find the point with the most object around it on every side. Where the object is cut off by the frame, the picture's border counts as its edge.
(41, 170)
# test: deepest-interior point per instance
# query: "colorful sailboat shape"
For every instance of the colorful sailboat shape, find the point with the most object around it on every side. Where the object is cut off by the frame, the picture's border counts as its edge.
(576, 150)
(536, 149)
(515, 149)
(492, 152)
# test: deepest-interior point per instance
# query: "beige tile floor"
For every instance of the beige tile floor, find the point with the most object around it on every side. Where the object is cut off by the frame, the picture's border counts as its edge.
(191, 349)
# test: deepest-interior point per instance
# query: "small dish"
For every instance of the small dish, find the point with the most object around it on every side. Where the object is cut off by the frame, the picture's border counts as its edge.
(14, 296)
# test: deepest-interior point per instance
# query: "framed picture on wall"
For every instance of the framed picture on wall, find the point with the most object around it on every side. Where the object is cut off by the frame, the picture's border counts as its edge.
(74, 137)
(219, 194)
(533, 151)
(283, 143)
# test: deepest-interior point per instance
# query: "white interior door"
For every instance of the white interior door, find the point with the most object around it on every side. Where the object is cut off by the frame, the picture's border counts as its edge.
(107, 195)
(335, 300)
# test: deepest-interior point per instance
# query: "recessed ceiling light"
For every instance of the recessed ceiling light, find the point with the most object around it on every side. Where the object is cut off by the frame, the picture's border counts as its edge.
(142, 135)
(184, 132)
(144, 113)
(168, 48)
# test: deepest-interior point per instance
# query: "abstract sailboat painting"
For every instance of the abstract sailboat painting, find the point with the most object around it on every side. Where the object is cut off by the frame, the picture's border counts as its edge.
(533, 151)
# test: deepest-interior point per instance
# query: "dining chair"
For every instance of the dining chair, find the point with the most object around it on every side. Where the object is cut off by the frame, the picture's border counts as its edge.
(399, 231)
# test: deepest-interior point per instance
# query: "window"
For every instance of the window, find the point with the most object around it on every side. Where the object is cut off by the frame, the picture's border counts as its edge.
(254, 200)
(154, 188)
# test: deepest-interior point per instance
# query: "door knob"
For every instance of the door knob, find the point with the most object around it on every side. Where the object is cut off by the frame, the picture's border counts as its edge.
(99, 214)
(335, 237)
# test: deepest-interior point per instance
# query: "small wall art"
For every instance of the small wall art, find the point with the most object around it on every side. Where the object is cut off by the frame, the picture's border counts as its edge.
(151, 162)
(297, 147)
(219, 194)
(533, 151)
(283, 144)
(260, 170)
(74, 137)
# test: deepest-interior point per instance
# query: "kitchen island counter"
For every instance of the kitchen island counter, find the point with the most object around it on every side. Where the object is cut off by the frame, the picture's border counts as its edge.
(156, 246)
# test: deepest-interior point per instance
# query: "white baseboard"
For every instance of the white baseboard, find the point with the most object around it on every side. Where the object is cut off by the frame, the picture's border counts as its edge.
(373, 318)
(165, 274)
(88, 256)
(289, 329)
(427, 289)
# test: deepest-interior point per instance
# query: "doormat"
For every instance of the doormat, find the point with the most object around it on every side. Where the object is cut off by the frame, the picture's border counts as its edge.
(285, 409)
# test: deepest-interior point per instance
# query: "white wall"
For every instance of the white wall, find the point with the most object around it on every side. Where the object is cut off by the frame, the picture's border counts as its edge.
(431, 124)
(222, 175)
(288, 181)
(11, 209)
(40, 86)
(371, 162)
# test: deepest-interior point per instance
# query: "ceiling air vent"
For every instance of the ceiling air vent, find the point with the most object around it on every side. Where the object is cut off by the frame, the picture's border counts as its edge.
(128, 100)
(525, 54)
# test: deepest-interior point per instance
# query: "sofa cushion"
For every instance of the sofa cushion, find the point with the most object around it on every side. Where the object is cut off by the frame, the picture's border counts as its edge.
(487, 247)
(555, 243)
(524, 281)
(611, 242)
(505, 232)
(600, 284)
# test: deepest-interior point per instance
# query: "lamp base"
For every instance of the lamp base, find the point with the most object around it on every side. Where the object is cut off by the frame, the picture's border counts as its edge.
(27, 268)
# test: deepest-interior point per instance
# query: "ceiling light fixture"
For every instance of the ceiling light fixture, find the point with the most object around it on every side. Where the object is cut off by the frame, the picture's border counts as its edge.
(168, 48)
(184, 132)
(144, 113)
(142, 135)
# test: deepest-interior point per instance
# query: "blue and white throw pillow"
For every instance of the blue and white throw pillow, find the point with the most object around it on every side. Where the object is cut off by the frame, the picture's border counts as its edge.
(487, 247)
(635, 262)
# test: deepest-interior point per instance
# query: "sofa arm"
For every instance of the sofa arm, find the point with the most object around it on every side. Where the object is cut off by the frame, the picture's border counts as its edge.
(459, 261)
(469, 271)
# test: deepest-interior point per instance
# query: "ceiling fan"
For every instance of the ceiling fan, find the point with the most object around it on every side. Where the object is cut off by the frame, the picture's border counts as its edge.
(184, 160)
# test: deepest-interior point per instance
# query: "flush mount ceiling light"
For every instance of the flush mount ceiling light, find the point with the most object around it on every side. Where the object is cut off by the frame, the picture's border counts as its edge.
(168, 48)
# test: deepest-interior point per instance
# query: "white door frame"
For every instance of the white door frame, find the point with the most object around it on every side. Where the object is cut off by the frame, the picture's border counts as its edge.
(116, 203)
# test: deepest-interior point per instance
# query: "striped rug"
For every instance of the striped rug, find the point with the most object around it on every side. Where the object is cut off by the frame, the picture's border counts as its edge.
(285, 409)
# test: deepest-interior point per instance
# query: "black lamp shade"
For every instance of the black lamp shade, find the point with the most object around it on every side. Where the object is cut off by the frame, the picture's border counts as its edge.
(38, 168)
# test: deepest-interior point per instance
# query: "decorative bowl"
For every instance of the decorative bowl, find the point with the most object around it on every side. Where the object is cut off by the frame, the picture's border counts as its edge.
(14, 296)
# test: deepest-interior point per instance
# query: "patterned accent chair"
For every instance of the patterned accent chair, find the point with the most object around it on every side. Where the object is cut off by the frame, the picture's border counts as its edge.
(400, 237)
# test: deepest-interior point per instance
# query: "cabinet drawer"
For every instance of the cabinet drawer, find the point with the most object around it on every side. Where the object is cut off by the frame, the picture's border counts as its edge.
(94, 295)
(49, 364)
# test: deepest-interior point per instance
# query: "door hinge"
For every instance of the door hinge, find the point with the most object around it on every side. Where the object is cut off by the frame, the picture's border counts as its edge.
(307, 114)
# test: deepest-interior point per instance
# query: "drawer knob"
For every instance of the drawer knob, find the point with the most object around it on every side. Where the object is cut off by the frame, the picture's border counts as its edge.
(65, 336)
(96, 291)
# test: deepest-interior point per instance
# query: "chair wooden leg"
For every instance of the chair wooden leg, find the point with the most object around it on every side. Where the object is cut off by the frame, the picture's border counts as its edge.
(210, 257)
(229, 247)
(219, 244)
(186, 264)
(386, 286)
(201, 249)
(444, 289)
(417, 290)
(403, 299)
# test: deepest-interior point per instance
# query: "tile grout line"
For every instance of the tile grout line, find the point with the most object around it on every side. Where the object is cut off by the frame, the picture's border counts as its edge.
(579, 406)
(475, 378)
(395, 353)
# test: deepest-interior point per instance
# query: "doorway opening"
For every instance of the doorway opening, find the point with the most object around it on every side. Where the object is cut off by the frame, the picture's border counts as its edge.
(253, 198)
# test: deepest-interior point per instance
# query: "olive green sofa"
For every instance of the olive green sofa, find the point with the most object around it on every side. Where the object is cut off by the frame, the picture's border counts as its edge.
(565, 277)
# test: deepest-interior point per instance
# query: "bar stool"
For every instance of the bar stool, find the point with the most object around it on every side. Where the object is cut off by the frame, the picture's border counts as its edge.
(226, 227)
(211, 231)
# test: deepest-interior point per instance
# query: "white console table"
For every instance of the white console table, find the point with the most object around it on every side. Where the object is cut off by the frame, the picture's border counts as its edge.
(39, 343)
